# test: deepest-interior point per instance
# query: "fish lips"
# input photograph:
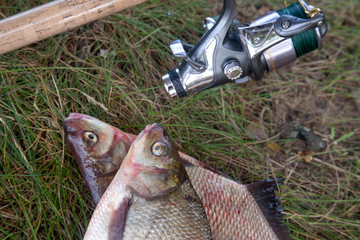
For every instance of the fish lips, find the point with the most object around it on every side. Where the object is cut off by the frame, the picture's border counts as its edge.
(73, 131)
(72, 123)
(151, 130)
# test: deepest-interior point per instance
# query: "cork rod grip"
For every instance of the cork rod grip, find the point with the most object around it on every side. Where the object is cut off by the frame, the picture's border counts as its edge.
(52, 18)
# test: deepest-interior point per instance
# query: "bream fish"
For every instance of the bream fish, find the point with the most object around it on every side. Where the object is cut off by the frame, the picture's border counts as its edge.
(234, 210)
(151, 196)
(98, 148)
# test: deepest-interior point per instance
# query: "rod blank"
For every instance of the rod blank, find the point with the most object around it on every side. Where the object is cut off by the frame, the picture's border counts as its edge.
(53, 18)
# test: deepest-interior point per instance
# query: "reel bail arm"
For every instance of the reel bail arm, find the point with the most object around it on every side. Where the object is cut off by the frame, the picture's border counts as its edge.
(231, 52)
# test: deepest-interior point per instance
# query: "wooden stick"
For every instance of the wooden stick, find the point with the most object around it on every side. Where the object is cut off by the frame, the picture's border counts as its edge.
(53, 18)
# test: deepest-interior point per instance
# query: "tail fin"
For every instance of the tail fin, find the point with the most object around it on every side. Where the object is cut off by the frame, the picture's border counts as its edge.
(263, 193)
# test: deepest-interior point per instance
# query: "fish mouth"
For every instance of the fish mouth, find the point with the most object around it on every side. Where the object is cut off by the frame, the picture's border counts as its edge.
(79, 116)
(68, 126)
(153, 130)
(75, 116)
(71, 123)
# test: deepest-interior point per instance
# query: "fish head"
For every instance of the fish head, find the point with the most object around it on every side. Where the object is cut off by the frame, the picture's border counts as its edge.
(94, 141)
(98, 149)
(153, 167)
(87, 136)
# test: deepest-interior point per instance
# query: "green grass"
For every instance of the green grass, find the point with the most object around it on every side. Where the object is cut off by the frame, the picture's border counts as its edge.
(42, 195)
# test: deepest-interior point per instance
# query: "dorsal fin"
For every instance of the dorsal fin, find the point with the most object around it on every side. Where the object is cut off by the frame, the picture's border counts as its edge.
(264, 195)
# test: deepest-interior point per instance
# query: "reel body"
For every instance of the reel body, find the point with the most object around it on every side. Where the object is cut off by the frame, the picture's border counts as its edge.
(231, 52)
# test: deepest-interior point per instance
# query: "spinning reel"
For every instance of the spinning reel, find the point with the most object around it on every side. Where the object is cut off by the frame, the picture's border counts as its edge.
(232, 52)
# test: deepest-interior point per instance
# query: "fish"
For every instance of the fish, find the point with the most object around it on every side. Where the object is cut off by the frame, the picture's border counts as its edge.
(234, 210)
(151, 196)
(98, 149)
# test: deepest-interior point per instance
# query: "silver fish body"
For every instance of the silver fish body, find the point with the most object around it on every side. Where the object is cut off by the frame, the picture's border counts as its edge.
(175, 216)
(151, 196)
(234, 210)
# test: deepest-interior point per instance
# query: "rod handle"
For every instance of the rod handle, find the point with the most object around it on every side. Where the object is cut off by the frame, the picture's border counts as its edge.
(53, 18)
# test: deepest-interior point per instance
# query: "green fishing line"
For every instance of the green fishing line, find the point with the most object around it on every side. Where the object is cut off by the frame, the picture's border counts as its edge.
(293, 10)
(303, 42)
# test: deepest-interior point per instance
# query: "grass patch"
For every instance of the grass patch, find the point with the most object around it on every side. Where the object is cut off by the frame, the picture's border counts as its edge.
(111, 69)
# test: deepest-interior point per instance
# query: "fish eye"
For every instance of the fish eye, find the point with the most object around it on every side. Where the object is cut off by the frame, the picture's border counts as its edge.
(90, 138)
(160, 149)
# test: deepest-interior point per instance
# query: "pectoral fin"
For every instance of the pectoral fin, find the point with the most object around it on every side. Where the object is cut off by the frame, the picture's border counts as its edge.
(118, 220)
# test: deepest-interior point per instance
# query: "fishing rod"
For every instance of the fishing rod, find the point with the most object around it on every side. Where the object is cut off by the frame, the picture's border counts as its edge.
(232, 52)
(53, 18)
(228, 51)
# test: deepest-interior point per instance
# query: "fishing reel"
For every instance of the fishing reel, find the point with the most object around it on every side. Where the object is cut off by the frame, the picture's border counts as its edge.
(231, 52)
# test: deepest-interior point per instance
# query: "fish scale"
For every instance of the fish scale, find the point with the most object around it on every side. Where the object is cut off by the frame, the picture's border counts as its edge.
(155, 219)
(223, 203)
